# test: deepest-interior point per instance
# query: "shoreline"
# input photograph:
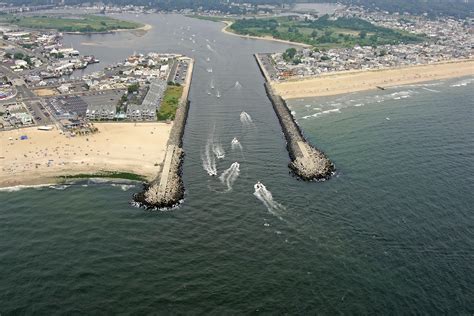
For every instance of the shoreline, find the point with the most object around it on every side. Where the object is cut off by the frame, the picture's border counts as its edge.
(365, 80)
(49, 157)
(145, 28)
(226, 30)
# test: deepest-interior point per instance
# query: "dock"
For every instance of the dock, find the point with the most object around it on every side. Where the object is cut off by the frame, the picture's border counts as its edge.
(167, 189)
(306, 161)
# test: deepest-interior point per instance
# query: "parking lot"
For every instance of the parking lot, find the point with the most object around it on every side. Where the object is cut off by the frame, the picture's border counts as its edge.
(181, 70)
(38, 111)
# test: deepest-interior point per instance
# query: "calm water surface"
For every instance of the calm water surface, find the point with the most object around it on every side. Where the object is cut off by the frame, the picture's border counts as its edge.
(393, 232)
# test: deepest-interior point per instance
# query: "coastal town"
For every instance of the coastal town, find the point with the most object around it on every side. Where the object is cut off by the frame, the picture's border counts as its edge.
(58, 121)
(446, 39)
(39, 85)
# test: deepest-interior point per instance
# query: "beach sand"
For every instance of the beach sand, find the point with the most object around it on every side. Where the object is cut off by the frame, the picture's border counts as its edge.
(353, 81)
(122, 147)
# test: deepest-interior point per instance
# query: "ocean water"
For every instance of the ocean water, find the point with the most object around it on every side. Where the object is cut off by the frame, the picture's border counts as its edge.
(391, 233)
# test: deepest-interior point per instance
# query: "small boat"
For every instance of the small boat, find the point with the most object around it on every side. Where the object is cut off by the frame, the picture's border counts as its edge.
(258, 186)
(235, 141)
(218, 94)
(208, 59)
(209, 70)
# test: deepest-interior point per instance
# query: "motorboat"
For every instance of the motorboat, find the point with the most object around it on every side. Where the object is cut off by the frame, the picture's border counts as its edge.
(258, 186)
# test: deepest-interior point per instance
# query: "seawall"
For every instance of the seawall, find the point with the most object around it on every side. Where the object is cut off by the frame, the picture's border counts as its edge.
(307, 162)
(167, 190)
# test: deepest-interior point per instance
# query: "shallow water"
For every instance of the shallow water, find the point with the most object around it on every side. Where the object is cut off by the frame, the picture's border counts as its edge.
(392, 232)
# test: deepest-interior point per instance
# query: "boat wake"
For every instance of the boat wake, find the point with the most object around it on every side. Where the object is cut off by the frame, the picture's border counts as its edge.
(265, 196)
(208, 160)
(218, 150)
(245, 119)
(237, 85)
(229, 176)
(236, 144)
(210, 48)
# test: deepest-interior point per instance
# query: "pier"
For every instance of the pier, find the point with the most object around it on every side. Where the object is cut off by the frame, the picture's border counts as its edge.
(167, 189)
(307, 162)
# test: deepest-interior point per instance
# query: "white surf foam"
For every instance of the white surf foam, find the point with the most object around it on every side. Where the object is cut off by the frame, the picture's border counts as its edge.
(462, 83)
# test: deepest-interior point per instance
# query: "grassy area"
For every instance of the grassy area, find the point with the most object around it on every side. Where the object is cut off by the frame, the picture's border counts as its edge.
(109, 175)
(324, 32)
(170, 103)
(83, 23)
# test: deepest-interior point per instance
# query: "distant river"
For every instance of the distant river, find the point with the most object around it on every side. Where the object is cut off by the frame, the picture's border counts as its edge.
(391, 233)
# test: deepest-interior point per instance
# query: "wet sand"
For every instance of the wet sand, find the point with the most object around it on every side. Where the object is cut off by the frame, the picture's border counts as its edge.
(46, 155)
(353, 81)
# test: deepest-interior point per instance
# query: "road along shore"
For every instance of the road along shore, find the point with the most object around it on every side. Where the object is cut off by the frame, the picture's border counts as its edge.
(307, 162)
(167, 189)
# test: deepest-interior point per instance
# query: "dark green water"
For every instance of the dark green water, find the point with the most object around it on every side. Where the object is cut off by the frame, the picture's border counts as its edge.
(392, 233)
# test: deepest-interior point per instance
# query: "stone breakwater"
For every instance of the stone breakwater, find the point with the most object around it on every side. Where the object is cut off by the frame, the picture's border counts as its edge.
(307, 162)
(167, 190)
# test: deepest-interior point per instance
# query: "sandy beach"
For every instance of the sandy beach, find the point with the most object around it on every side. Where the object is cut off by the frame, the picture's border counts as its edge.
(353, 81)
(46, 155)
(226, 30)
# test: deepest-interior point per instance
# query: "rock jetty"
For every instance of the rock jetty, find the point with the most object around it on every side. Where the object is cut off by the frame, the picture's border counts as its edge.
(307, 162)
(167, 190)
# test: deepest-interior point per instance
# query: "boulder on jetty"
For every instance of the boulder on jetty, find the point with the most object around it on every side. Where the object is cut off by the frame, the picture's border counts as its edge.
(307, 162)
(168, 189)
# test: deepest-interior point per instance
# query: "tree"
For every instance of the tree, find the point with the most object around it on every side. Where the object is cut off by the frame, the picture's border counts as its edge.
(363, 34)
(18, 56)
(133, 88)
(289, 54)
